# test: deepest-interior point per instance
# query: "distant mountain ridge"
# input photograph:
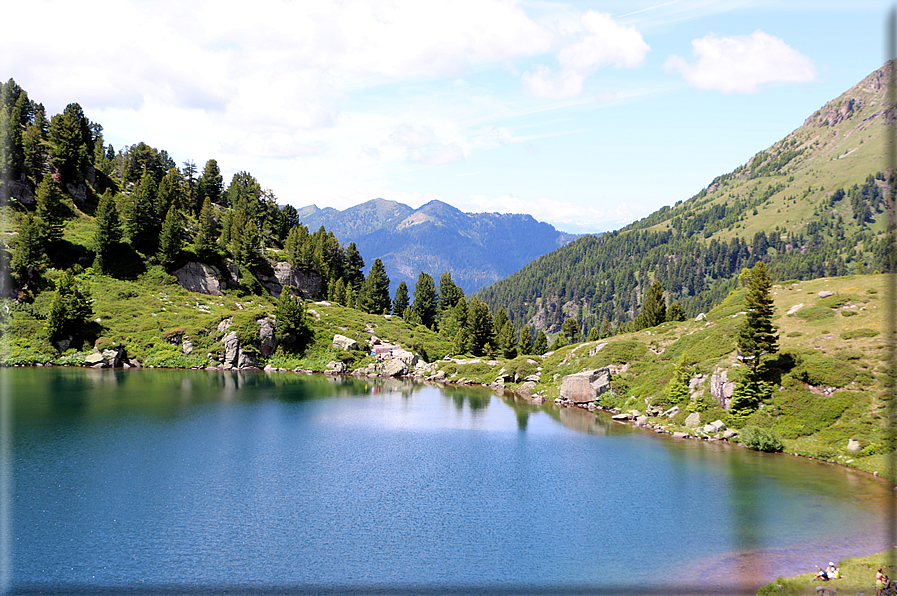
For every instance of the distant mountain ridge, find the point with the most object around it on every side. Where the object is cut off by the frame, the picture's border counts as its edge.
(812, 205)
(476, 248)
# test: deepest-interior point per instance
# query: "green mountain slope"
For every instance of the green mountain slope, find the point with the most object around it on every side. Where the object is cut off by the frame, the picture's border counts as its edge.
(476, 248)
(811, 205)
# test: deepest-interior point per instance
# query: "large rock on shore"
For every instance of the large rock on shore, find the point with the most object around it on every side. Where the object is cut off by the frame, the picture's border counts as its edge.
(584, 387)
(341, 342)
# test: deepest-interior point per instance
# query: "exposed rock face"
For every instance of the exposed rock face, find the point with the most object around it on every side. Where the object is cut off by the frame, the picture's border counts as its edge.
(307, 283)
(341, 342)
(199, 277)
(721, 388)
(105, 359)
(585, 386)
(231, 349)
(266, 335)
(20, 192)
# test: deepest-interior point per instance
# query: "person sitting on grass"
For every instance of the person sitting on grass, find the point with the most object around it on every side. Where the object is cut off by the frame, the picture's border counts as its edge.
(821, 575)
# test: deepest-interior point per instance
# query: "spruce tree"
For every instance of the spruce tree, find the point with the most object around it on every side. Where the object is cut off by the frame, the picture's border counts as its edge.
(570, 331)
(27, 250)
(50, 208)
(170, 239)
(204, 244)
(540, 345)
(676, 312)
(424, 305)
(480, 328)
(654, 310)
(593, 334)
(401, 301)
(507, 340)
(449, 292)
(107, 233)
(354, 264)
(291, 329)
(375, 293)
(756, 338)
(525, 343)
(69, 309)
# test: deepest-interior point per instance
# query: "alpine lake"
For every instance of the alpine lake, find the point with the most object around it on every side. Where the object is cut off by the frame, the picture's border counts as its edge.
(214, 482)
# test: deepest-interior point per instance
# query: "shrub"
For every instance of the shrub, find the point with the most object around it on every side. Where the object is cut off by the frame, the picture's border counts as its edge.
(821, 370)
(815, 313)
(861, 332)
(760, 439)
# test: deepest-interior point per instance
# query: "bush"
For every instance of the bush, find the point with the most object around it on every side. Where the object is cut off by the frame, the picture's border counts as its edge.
(760, 439)
(861, 332)
(824, 371)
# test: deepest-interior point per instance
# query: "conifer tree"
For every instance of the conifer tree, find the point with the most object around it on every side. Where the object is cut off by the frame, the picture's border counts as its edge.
(354, 264)
(540, 345)
(170, 239)
(375, 292)
(756, 338)
(27, 250)
(593, 334)
(507, 341)
(424, 305)
(207, 232)
(292, 329)
(50, 208)
(339, 292)
(676, 312)
(107, 233)
(449, 292)
(480, 328)
(461, 342)
(570, 331)
(70, 308)
(525, 344)
(401, 301)
(654, 310)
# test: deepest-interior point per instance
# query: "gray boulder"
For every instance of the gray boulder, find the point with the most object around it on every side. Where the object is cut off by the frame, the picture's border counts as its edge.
(718, 425)
(853, 445)
(199, 277)
(335, 366)
(671, 412)
(585, 386)
(826, 293)
(395, 368)
(693, 419)
(94, 358)
(267, 337)
(231, 349)
(341, 342)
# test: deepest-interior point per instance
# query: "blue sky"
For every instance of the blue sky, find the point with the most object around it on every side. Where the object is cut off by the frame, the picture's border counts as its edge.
(586, 115)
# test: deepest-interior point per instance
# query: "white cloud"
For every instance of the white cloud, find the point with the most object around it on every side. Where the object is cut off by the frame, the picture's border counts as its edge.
(585, 46)
(741, 64)
(436, 154)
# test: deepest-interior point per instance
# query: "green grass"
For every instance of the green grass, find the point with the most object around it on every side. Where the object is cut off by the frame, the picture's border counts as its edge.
(857, 577)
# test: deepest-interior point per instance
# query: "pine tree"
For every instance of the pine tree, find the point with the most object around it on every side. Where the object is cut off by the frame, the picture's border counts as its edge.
(507, 340)
(170, 239)
(354, 264)
(50, 208)
(654, 310)
(424, 305)
(449, 292)
(401, 301)
(461, 342)
(107, 233)
(525, 344)
(70, 308)
(570, 331)
(540, 345)
(676, 312)
(480, 328)
(375, 292)
(756, 338)
(593, 334)
(204, 244)
(292, 329)
(339, 292)
(757, 335)
(27, 250)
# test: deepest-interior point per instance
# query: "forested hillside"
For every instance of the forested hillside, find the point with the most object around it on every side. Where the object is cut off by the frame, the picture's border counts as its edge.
(475, 248)
(811, 205)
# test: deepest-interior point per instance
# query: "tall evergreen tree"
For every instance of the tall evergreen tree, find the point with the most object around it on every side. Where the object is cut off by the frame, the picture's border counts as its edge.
(654, 310)
(540, 345)
(210, 184)
(50, 208)
(525, 343)
(480, 328)
(676, 312)
(27, 250)
(204, 244)
(424, 305)
(570, 331)
(170, 239)
(402, 300)
(376, 290)
(70, 308)
(107, 233)
(354, 265)
(291, 329)
(449, 292)
(756, 338)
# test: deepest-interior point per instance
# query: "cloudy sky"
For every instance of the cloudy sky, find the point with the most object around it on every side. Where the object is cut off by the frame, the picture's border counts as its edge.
(585, 114)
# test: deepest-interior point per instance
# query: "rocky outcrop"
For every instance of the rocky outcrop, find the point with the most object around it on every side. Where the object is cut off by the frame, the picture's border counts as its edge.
(267, 338)
(395, 368)
(105, 358)
(721, 388)
(341, 342)
(585, 386)
(693, 419)
(199, 277)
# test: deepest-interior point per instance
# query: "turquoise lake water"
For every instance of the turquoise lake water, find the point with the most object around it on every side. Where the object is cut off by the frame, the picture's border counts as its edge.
(194, 482)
